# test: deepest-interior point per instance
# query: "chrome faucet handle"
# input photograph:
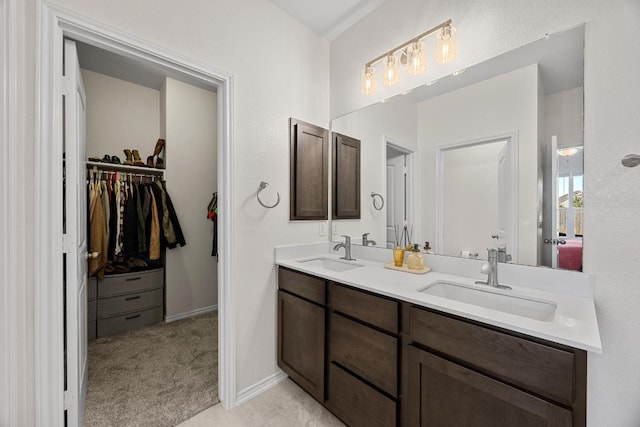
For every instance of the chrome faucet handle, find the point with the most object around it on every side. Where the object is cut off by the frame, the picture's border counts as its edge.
(365, 239)
(347, 239)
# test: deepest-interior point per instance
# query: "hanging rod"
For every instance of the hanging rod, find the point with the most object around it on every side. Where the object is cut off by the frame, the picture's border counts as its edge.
(139, 170)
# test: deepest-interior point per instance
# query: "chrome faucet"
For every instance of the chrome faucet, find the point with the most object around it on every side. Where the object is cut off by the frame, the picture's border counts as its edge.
(491, 269)
(347, 248)
(366, 241)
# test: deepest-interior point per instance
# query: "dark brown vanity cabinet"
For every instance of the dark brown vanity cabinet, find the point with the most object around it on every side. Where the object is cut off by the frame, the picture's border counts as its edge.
(309, 153)
(301, 330)
(381, 362)
(460, 373)
(362, 357)
(346, 177)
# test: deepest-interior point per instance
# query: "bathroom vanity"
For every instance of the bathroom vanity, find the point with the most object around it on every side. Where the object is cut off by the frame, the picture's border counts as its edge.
(377, 350)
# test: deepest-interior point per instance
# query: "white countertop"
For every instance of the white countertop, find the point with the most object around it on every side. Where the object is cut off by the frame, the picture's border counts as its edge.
(574, 324)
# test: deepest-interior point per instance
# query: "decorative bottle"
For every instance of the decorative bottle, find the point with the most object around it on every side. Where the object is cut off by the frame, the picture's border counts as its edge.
(415, 261)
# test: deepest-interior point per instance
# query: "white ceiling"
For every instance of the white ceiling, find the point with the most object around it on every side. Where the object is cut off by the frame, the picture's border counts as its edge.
(328, 18)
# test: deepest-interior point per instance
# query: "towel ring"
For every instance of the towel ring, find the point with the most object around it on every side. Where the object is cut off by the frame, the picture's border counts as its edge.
(262, 186)
(373, 196)
(631, 160)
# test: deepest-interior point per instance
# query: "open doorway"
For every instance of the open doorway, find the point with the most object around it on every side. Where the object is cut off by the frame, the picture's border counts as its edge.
(399, 167)
(58, 399)
(151, 296)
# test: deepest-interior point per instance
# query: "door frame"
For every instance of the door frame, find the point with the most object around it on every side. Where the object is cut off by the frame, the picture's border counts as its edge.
(511, 138)
(55, 23)
(412, 173)
(8, 218)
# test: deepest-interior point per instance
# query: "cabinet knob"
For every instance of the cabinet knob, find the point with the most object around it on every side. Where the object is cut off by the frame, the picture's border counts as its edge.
(92, 255)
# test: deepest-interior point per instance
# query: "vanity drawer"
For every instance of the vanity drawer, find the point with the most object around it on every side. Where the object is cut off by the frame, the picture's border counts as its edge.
(542, 369)
(307, 287)
(357, 404)
(118, 324)
(130, 282)
(368, 353)
(371, 309)
(108, 307)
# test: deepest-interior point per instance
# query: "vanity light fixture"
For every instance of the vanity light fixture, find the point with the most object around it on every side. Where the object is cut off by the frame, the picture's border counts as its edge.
(567, 152)
(412, 55)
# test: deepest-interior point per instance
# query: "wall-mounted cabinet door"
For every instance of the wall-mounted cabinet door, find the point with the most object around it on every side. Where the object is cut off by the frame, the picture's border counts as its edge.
(309, 147)
(346, 177)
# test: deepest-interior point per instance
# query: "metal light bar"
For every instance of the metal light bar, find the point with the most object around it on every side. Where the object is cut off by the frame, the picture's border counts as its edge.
(404, 45)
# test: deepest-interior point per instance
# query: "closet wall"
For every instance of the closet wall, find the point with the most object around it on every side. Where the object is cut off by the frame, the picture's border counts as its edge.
(120, 115)
(189, 122)
(123, 115)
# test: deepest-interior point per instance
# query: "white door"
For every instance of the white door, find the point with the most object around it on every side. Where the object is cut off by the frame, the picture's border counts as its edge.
(506, 204)
(551, 241)
(396, 196)
(75, 229)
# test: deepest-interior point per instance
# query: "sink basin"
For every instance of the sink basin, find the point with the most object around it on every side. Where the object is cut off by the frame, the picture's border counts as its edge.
(488, 298)
(332, 264)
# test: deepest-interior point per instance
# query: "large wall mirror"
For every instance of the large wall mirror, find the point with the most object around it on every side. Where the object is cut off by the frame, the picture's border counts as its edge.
(489, 157)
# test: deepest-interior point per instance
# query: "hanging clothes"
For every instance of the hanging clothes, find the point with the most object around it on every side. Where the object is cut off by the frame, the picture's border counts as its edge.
(97, 232)
(129, 223)
(173, 217)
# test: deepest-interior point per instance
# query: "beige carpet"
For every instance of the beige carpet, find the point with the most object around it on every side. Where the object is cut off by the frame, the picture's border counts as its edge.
(155, 376)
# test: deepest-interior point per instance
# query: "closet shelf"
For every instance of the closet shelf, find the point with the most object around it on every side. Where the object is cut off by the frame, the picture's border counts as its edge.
(125, 168)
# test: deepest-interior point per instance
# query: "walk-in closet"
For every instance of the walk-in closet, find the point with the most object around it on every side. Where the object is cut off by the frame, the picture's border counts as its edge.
(151, 183)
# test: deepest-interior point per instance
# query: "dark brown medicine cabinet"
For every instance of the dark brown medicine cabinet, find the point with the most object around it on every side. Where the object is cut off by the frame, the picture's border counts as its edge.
(309, 149)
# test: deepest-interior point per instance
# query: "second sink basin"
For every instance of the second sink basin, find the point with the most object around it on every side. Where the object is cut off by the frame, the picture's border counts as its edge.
(488, 298)
(332, 264)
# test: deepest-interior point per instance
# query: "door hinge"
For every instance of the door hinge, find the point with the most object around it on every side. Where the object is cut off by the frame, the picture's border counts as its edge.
(67, 244)
(69, 399)
(66, 85)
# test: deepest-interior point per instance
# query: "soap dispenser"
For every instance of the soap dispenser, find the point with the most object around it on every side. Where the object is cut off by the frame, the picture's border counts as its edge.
(427, 248)
(415, 261)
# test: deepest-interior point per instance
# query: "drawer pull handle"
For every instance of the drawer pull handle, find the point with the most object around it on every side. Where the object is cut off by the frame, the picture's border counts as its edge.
(132, 298)
(132, 317)
(132, 279)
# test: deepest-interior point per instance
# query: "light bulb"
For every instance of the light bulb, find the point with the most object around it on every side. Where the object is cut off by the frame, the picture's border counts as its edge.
(391, 70)
(446, 44)
(368, 80)
(416, 58)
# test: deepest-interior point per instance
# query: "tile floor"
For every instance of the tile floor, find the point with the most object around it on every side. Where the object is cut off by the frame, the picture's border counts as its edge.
(283, 405)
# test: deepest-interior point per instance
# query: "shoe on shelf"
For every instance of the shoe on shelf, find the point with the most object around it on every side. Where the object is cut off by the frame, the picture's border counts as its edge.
(137, 161)
(129, 158)
(159, 146)
(150, 161)
(157, 151)
(94, 159)
(106, 158)
(116, 160)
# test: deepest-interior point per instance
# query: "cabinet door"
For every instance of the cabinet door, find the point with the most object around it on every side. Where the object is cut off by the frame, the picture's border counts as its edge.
(444, 394)
(301, 342)
(346, 177)
(309, 148)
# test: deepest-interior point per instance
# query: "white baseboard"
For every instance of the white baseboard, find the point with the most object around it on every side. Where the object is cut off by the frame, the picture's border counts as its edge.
(260, 387)
(185, 315)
